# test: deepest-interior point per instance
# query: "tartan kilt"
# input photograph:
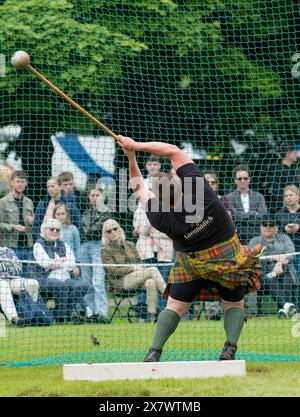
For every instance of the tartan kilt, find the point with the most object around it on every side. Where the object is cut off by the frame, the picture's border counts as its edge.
(228, 263)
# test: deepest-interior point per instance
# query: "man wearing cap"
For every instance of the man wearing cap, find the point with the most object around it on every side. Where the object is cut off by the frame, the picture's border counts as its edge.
(280, 277)
(16, 218)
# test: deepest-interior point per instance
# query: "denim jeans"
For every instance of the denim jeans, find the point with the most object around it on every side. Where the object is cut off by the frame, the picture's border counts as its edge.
(66, 294)
(95, 301)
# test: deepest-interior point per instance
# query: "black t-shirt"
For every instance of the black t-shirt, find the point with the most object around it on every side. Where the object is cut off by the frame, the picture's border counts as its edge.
(214, 226)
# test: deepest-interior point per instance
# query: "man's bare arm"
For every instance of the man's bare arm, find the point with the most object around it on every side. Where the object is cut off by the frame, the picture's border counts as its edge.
(137, 181)
(176, 155)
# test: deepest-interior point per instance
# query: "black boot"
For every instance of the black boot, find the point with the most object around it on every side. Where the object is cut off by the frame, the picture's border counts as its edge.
(228, 352)
(153, 355)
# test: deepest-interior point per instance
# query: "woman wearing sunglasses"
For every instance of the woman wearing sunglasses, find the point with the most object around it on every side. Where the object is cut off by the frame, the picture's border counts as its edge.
(54, 270)
(118, 250)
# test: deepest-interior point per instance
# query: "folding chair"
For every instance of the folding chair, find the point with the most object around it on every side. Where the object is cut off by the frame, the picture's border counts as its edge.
(124, 305)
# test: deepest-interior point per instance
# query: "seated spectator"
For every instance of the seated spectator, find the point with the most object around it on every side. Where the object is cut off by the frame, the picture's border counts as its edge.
(95, 302)
(46, 206)
(118, 250)
(279, 273)
(152, 247)
(54, 271)
(11, 283)
(288, 217)
(245, 206)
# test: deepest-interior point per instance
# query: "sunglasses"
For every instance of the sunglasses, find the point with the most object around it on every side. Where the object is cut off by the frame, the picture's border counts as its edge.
(242, 178)
(54, 229)
(114, 229)
(212, 182)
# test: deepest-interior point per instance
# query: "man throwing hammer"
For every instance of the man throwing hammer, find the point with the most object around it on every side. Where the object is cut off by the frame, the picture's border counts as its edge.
(211, 264)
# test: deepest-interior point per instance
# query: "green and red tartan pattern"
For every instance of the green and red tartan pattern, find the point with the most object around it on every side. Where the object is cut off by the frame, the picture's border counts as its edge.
(228, 263)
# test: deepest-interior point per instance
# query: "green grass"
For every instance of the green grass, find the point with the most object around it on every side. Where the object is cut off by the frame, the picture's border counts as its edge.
(262, 380)
(269, 346)
(262, 340)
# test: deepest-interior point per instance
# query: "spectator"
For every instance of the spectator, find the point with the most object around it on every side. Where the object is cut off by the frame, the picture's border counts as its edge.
(288, 218)
(66, 183)
(279, 273)
(152, 247)
(54, 270)
(285, 172)
(69, 232)
(153, 168)
(118, 250)
(212, 179)
(46, 206)
(95, 302)
(245, 206)
(11, 283)
(212, 308)
(16, 218)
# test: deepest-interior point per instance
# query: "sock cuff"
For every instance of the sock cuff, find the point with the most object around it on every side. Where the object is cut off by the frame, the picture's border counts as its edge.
(171, 314)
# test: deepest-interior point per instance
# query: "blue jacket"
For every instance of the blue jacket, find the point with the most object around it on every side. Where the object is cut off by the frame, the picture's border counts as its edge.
(41, 211)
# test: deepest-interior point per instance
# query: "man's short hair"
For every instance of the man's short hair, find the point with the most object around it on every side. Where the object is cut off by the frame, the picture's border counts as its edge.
(19, 174)
(153, 158)
(65, 176)
(173, 192)
(241, 168)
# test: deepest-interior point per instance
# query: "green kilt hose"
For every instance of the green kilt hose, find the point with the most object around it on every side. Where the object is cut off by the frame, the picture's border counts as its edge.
(228, 263)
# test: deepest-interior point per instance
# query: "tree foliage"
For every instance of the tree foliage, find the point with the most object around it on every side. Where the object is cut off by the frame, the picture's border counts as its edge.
(216, 63)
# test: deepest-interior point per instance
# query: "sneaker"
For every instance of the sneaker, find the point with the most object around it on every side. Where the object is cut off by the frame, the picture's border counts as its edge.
(17, 321)
(291, 310)
(282, 314)
(287, 311)
(153, 355)
(228, 352)
(78, 318)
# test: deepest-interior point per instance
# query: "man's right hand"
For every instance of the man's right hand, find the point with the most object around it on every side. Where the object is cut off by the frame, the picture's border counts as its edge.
(127, 144)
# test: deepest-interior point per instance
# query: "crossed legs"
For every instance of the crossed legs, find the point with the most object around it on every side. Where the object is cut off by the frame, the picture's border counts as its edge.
(151, 279)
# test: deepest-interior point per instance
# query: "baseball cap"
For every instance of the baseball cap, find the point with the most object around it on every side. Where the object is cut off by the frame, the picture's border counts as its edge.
(269, 220)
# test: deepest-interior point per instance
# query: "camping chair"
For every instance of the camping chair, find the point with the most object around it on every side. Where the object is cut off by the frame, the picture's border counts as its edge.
(124, 305)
